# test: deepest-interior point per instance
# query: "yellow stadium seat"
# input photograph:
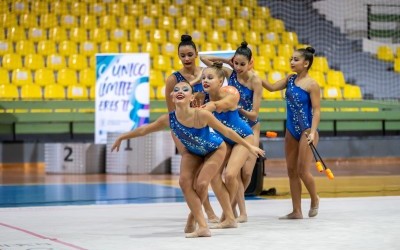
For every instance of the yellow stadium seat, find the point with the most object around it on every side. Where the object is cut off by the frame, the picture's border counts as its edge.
(262, 63)
(152, 94)
(4, 77)
(158, 36)
(244, 12)
(77, 92)
(8, 91)
(240, 25)
(262, 12)
(208, 46)
(134, 9)
(320, 63)
(78, 35)
(285, 50)
(253, 37)
(27, 20)
(87, 77)
(385, 53)
(203, 24)
(271, 37)
(34, 61)
(169, 49)
(290, 38)
(58, 34)
(208, 11)
(276, 25)
(88, 22)
(275, 75)
(40, 7)
(37, 34)
(48, 21)
(234, 37)
(79, 8)
(6, 47)
(153, 10)
(156, 78)
(46, 47)
(335, 78)
(15, 34)
(150, 48)
(67, 77)
(146, 22)
(12, 61)
(318, 76)
(87, 48)
(118, 35)
(166, 23)
(174, 36)
(31, 92)
(77, 62)
(191, 11)
(138, 36)
(221, 24)
(267, 50)
(92, 93)
(8, 20)
(258, 24)
(226, 12)
(197, 37)
(21, 76)
(55, 62)
(173, 10)
(397, 65)
(92, 62)
(398, 52)
(127, 22)
(160, 93)
(332, 93)
(116, 9)
(25, 47)
(184, 24)
(162, 63)
(97, 9)
(108, 22)
(98, 35)
(352, 92)
(127, 47)
(59, 7)
(214, 36)
(19, 7)
(227, 46)
(177, 63)
(267, 95)
(4, 7)
(66, 48)
(216, 3)
(281, 63)
(109, 47)
(68, 21)
(54, 92)
(44, 77)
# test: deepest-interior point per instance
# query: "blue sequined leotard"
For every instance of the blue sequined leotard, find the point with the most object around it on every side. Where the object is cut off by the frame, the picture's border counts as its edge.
(199, 141)
(232, 120)
(299, 109)
(246, 97)
(196, 88)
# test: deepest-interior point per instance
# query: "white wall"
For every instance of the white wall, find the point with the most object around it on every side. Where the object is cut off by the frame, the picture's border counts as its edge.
(348, 14)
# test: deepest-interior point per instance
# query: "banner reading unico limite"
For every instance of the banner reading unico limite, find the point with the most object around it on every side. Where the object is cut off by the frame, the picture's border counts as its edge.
(122, 93)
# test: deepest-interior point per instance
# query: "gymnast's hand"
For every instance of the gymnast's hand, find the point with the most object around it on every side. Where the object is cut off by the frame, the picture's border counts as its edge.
(116, 144)
(256, 151)
(310, 137)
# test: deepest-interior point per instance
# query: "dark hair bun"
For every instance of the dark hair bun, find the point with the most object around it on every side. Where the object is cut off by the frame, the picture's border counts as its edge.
(217, 65)
(244, 44)
(186, 38)
(311, 50)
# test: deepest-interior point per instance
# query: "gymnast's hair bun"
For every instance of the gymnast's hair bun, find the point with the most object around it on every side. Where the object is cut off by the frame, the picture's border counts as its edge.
(186, 38)
(217, 65)
(311, 50)
(244, 44)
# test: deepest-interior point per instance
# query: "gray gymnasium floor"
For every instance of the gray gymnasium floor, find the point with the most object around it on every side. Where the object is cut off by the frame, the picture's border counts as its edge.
(343, 223)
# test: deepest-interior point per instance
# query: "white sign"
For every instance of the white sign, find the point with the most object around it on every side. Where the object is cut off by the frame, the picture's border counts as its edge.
(122, 93)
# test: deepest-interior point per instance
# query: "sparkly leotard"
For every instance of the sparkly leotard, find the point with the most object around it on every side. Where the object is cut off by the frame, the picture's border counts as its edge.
(199, 141)
(246, 97)
(299, 109)
(232, 120)
(198, 87)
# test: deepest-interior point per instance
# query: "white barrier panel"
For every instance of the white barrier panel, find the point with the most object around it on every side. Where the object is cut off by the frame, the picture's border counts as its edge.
(74, 158)
(150, 154)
